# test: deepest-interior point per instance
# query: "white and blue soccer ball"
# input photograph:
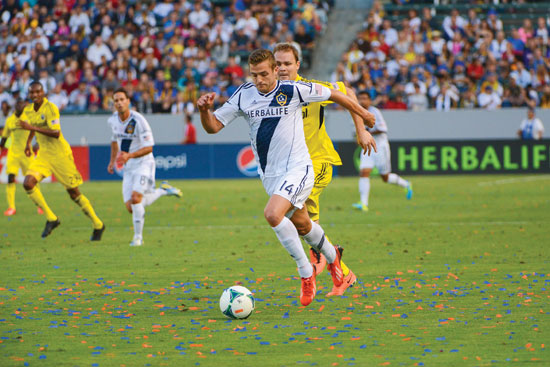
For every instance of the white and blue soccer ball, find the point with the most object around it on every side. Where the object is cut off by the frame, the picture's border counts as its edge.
(237, 302)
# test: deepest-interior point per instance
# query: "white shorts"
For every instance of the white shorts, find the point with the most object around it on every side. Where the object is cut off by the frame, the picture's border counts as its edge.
(381, 159)
(140, 180)
(295, 185)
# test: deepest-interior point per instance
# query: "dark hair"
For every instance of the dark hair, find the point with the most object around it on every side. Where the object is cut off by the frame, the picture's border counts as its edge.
(363, 91)
(261, 55)
(122, 90)
(36, 82)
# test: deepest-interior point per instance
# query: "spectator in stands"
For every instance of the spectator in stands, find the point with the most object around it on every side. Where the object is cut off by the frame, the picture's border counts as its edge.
(531, 128)
(452, 24)
(98, 50)
(514, 95)
(493, 21)
(395, 102)
(418, 100)
(520, 74)
(78, 99)
(488, 99)
(541, 31)
(58, 97)
(388, 33)
(447, 98)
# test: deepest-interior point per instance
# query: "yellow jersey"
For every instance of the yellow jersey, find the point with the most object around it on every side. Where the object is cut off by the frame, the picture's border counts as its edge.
(18, 135)
(318, 142)
(47, 117)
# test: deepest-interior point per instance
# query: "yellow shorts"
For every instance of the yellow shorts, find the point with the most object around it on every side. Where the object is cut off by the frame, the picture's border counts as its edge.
(15, 162)
(323, 176)
(61, 166)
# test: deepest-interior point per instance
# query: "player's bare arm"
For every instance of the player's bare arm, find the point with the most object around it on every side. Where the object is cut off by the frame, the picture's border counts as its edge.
(364, 138)
(123, 157)
(48, 132)
(114, 151)
(28, 146)
(209, 122)
(352, 106)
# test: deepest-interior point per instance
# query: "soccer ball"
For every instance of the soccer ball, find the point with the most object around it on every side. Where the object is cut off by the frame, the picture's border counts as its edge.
(237, 302)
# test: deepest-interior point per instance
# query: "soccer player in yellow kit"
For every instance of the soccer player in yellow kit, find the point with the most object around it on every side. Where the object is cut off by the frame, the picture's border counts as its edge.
(54, 156)
(321, 149)
(16, 154)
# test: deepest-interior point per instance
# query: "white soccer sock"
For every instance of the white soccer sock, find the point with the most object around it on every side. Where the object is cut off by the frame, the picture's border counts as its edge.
(138, 216)
(397, 180)
(151, 197)
(364, 190)
(316, 238)
(288, 236)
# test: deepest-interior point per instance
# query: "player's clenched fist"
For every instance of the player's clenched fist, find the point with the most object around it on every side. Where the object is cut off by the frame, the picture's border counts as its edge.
(206, 101)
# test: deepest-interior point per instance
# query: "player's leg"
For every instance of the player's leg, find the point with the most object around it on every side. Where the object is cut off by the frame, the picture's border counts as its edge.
(12, 169)
(384, 166)
(365, 168)
(323, 176)
(138, 218)
(36, 173)
(284, 192)
(315, 236)
(10, 195)
(66, 173)
(142, 182)
(84, 203)
(33, 192)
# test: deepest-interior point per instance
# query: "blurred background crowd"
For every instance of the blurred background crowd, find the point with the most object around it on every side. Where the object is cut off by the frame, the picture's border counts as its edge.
(166, 53)
(409, 55)
(465, 54)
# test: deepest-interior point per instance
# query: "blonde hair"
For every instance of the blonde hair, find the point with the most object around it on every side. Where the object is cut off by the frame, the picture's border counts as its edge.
(287, 47)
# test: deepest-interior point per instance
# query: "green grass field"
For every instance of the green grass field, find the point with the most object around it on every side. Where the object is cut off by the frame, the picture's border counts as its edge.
(458, 276)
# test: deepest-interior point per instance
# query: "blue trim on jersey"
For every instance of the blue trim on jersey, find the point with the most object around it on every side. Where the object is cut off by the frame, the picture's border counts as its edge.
(125, 145)
(238, 90)
(300, 95)
(269, 124)
(299, 188)
(273, 91)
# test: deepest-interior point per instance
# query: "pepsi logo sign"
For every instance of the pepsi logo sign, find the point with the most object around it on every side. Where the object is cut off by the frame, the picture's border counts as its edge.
(246, 163)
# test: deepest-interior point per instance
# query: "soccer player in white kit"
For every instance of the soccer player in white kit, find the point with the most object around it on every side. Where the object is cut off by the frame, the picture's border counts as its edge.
(381, 159)
(273, 110)
(132, 146)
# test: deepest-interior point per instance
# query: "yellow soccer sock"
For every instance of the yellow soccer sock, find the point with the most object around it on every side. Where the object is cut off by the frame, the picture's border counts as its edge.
(345, 269)
(36, 196)
(10, 195)
(87, 208)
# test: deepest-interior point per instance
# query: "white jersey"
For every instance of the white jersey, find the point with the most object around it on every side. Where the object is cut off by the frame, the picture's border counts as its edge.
(531, 129)
(380, 126)
(275, 121)
(132, 135)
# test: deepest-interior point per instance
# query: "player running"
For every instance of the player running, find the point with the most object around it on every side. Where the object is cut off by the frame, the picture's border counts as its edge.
(381, 159)
(322, 152)
(273, 110)
(16, 154)
(54, 156)
(132, 147)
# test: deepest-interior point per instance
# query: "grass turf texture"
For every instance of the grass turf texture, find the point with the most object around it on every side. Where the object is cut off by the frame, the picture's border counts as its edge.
(459, 276)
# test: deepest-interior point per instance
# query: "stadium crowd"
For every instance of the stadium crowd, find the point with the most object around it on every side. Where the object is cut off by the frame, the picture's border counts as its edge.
(166, 53)
(468, 61)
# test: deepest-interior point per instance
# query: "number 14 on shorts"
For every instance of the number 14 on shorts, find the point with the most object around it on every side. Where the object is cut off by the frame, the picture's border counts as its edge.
(288, 188)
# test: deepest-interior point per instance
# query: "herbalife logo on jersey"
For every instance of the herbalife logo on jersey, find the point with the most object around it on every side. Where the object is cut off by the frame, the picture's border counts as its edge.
(268, 112)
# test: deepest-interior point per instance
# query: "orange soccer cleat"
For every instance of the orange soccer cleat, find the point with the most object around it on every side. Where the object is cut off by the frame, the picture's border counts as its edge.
(9, 212)
(349, 281)
(336, 269)
(317, 259)
(309, 289)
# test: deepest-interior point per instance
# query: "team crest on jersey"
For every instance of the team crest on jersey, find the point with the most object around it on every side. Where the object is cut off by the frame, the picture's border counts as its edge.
(131, 127)
(281, 98)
